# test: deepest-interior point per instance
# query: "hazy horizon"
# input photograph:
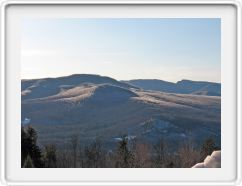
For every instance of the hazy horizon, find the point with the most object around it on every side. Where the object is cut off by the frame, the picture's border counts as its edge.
(124, 49)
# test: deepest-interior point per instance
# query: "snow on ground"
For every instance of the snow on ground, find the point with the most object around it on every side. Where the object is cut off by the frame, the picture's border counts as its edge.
(213, 161)
(127, 138)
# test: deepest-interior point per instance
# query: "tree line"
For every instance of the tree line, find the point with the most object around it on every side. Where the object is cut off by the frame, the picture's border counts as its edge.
(127, 154)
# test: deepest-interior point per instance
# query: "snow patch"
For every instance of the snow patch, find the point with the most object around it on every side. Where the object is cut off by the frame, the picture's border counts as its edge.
(213, 161)
(127, 138)
(25, 121)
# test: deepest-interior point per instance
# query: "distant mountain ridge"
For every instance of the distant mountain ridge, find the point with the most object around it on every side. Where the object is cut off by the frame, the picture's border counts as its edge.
(181, 87)
(35, 88)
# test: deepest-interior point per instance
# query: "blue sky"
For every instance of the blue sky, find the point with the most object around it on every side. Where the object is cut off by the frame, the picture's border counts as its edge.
(167, 49)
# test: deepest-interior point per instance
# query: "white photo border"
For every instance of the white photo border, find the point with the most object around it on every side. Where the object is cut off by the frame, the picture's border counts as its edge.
(3, 167)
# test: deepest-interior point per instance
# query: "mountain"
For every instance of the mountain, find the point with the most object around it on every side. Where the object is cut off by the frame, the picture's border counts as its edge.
(38, 88)
(181, 87)
(101, 107)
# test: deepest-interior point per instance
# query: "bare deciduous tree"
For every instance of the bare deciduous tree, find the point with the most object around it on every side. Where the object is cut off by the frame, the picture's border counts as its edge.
(142, 157)
(74, 146)
(187, 155)
(160, 153)
(95, 157)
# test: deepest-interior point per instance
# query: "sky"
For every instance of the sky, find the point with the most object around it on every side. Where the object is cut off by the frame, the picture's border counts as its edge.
(169, 49)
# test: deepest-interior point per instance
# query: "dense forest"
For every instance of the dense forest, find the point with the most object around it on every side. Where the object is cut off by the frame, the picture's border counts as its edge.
(127, 154)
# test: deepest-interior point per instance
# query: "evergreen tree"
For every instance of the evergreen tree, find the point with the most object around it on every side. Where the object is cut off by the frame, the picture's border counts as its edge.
(28, 163)
(29, 146)
(125, 158)
(50, 156)
(24, 146)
